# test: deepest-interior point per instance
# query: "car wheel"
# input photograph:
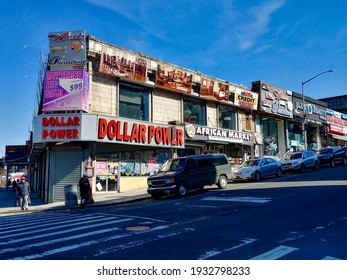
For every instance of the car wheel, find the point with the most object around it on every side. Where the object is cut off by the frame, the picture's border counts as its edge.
(181, 190)
(302, 168)
(332, 163)
(279, 172)
(257, 176)
(222, 182)
(316, 165)
(344, 161)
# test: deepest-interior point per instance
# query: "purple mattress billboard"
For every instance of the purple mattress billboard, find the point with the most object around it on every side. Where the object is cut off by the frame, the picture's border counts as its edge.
(66, 91)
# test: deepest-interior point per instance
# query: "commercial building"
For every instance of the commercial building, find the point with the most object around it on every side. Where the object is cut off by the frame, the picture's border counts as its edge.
(119, 115)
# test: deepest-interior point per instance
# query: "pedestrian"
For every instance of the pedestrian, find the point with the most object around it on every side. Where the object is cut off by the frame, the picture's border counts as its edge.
(24, 193)
(16, 188)
(84, 190)
(8, 183)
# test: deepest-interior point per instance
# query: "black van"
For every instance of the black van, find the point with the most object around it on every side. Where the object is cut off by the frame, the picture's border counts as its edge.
(183, 174)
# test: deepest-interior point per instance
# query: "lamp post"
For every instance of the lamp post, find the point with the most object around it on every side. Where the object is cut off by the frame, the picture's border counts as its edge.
(304, 134)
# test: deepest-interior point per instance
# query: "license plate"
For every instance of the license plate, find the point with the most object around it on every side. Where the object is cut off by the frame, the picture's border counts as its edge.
(237, 177)
(167, 191)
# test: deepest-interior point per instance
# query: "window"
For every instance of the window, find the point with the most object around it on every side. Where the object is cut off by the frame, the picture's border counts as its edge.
(133, 103)
(194, 111)
(227, 117)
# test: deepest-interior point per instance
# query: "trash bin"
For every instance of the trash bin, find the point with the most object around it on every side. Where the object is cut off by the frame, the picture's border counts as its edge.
(70, 195)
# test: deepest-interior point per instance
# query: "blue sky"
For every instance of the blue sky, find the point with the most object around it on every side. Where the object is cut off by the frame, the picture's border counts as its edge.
(283, 42)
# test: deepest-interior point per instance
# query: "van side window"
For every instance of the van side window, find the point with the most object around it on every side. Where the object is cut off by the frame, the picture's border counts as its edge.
(190, 164)
(219, 160)
(204, 162)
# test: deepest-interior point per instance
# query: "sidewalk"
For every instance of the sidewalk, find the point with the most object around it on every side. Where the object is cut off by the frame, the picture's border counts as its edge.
(7, 199)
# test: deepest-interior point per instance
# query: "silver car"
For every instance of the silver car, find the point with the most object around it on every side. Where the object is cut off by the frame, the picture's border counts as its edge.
(299, 161)
(255, 169)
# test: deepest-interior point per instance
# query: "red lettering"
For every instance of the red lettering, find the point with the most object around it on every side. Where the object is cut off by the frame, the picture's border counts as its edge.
(102, 131)
(158, 135)
(142, 133)
(75, 133)
(44, 133)
(119, 136)
(112, 129)
(44, 121)
(150, 133)
(166, 135)
(134, 133)
(126, 136)
(179, 137)
(76, 121)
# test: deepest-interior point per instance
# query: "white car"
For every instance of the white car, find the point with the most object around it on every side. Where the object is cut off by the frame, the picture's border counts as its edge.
(299, 161)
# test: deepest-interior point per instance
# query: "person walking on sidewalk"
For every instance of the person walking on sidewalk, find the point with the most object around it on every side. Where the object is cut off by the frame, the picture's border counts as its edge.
(24, 193)
(84, 190)
(16, 188)
(8, 183)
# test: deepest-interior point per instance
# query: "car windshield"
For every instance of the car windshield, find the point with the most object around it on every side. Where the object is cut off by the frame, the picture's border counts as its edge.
(325, 151)
(249, 163)
(293, 156)
(173, 165)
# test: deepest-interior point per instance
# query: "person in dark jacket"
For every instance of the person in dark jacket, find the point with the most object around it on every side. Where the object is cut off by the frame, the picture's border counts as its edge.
(84, 190)
(24, 193)
(16, 188)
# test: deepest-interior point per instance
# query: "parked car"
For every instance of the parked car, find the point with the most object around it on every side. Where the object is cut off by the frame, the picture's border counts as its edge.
(256, 169)
(345, 150)
(299, 161)
(183, 174)
(332, 156)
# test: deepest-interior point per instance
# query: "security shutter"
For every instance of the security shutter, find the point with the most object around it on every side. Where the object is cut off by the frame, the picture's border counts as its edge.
(68, 166)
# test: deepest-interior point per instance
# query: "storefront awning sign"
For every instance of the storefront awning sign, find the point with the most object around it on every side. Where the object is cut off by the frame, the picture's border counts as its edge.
(219, 134)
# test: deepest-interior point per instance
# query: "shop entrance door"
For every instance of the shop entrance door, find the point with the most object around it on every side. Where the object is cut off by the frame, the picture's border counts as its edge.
(106, 175)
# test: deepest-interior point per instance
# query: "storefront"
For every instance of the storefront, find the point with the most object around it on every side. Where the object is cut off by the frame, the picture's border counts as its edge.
(336, 129)
(110, 149)
(275, 108)
(315, 124)
(235, 144)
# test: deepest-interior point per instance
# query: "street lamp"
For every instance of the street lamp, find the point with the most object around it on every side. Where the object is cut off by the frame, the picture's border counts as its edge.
(303, 105)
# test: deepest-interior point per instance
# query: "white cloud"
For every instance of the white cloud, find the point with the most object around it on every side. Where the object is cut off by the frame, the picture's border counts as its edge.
(256, 23)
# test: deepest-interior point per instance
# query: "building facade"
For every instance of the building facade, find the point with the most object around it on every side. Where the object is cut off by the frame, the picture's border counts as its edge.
(119, 115)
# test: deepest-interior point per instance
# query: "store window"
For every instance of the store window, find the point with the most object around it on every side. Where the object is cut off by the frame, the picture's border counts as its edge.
(194, 111)
(295, 135)
(132, 164)
(227, 117)
(270, 131)
(133, 103)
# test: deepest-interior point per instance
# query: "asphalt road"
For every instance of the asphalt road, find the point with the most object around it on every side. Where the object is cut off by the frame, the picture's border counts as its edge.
(294, 217)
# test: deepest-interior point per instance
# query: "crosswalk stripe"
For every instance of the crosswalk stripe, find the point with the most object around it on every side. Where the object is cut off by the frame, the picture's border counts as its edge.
(276, 253)
(62, 232)
(68, 223)
(23, 230)
(239, 199)
(84, 244)
(57, 240)
(31, 220)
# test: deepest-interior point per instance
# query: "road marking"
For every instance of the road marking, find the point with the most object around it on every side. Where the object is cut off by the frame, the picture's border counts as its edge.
(276, 253)
(140, 242)
(28, 229)
(239, 199)
(212, 253)
(65, 224)
(62, 232)
(83, 244)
